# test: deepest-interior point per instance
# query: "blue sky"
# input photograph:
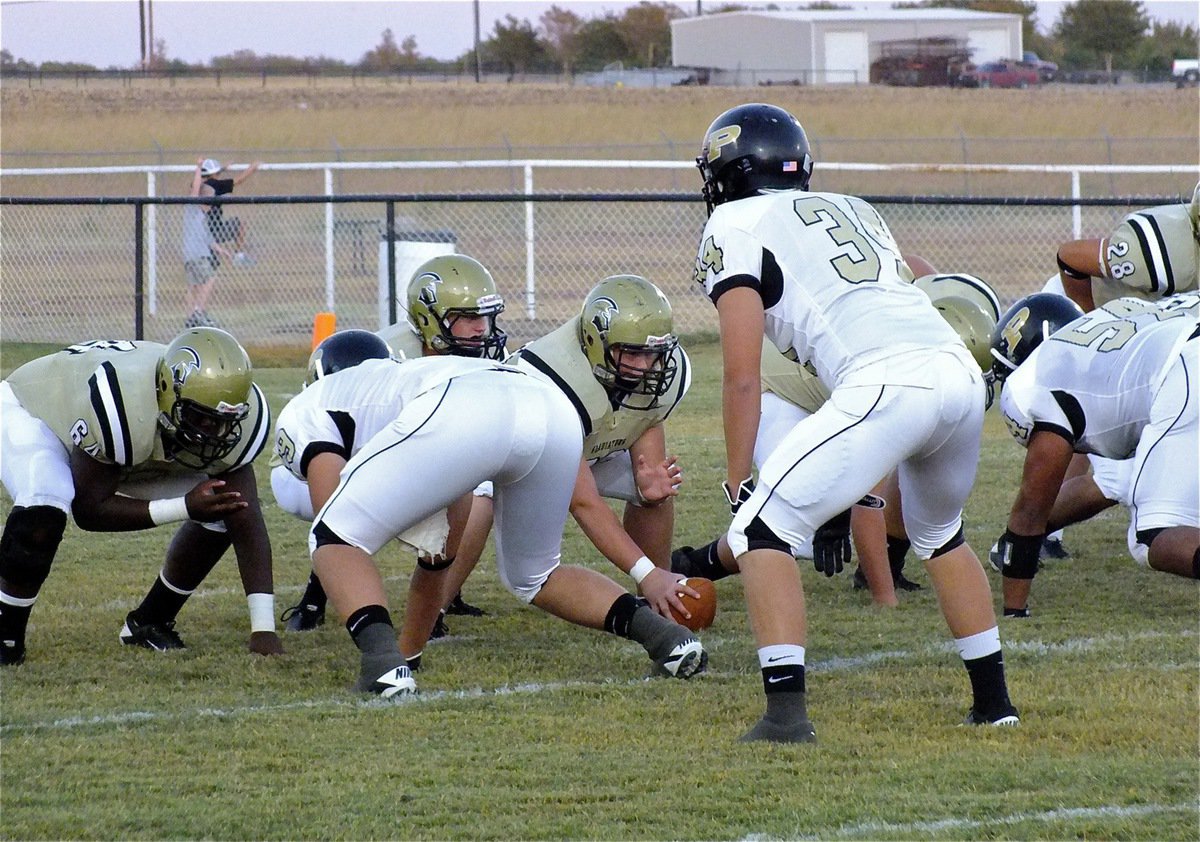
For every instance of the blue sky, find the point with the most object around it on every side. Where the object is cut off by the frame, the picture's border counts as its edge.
(106, 32)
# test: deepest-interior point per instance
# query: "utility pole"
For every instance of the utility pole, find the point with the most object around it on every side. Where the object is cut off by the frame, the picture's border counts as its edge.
(478, 61)
(142, 29)
(150, 29)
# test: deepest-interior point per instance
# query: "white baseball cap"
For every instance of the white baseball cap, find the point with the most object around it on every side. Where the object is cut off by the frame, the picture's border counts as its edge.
(210, 166)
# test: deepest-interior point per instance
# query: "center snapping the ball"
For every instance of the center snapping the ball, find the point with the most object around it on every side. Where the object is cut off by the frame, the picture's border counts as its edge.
(702, 609)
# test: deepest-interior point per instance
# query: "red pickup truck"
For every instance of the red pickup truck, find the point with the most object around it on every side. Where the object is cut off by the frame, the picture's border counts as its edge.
(1001, 74)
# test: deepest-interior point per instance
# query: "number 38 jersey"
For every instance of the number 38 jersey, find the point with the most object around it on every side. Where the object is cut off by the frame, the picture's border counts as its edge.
(100, 396)
(1152, 254)
(1093, 381)
(834, 287)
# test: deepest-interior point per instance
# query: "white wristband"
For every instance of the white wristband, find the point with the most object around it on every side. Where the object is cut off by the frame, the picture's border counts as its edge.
(262, 612)
(643, 568)
(169, 510)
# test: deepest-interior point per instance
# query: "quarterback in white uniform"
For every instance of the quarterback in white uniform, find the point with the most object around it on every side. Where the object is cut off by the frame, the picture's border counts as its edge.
(466, 421)
(819, 275)
(1119, 382)
(126, 436)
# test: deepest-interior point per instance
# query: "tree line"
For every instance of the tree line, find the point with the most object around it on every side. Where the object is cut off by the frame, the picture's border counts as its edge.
(1114, 34)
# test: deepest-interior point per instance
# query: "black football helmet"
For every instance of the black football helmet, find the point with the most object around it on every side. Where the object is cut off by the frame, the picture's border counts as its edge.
(344, 349)
(1025, 326)
(753, 147)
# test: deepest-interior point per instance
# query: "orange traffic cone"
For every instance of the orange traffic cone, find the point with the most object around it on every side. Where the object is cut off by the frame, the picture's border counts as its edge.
(324, 324)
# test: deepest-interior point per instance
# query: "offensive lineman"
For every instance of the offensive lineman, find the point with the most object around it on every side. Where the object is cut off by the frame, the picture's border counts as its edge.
(452, 304)
(467, 421)
(127, 436)
(1118, 382)
(819, 274)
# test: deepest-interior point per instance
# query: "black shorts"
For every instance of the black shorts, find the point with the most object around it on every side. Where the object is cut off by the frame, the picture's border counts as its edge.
(225, 229)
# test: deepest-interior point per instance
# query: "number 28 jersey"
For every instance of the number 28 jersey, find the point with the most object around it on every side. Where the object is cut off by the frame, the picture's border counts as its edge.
(834, 288)
(1094, 380)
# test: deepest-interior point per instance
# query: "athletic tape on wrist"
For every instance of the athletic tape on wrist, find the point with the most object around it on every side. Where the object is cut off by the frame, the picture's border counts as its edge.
(262, 612)
(169, 510)
(643, 568)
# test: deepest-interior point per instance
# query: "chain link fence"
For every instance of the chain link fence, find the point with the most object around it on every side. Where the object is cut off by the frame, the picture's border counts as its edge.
(73, 269)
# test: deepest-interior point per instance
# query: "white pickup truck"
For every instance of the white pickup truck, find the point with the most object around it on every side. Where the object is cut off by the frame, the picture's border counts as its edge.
(1185, 71)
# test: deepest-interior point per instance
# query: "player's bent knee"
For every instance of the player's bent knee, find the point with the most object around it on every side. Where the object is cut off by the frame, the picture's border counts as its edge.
(528, 588)
(956, 541)
(27, 548)
(322, 536)
(759, 536)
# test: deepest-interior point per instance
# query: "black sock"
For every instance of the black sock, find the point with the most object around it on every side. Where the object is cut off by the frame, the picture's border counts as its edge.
(783, 679)
(371, 629)
(987, 684)
(620, 615)
(161, 604)
(314, 593)
(13, 621)
(897, 549)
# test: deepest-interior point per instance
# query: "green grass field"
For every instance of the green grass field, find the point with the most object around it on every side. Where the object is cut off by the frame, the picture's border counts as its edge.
(527, 728)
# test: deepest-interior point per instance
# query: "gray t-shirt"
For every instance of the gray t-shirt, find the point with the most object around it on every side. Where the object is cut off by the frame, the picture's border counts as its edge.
(196, 236)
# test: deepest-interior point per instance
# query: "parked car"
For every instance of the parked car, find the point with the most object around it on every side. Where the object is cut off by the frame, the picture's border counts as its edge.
(1047, 70)
(1000, 74)
(1185, 71)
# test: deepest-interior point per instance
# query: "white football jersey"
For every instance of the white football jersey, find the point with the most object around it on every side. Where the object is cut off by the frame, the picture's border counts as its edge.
(835, 289)
(1094, 381)
(341, 412)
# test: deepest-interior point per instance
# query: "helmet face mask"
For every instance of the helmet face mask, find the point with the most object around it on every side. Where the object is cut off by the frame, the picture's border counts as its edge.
(447, 289)
(1023, 327)
(751, 148)
(344, 349)
(625, 330)
(203, 383)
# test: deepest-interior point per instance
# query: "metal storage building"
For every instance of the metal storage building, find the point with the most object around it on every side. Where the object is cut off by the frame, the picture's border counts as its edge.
(827, 47)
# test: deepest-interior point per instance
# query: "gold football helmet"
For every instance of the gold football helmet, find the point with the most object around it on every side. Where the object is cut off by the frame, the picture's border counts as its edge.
(627, 315)
(970, 306)
(446, 288)
(203, 383)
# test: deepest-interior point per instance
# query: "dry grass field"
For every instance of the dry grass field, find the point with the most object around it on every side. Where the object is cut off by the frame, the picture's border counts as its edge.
(277, 118)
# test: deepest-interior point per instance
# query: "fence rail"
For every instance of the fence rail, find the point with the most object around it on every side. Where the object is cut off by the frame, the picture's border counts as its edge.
(111, 266)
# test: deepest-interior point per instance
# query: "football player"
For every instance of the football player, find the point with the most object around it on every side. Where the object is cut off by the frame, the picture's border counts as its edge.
(470, 420)
(791, 393)
(452, 305)
(131, 435)
(1152, 254)
(821, 277)
(1119, 382)
(623, 369)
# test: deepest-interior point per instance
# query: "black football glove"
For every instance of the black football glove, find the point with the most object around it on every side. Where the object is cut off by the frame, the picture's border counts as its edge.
(744, 490)
(831, 545)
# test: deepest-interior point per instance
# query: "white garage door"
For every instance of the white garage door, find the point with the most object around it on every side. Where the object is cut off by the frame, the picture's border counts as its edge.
(846, 59)
(988, 45)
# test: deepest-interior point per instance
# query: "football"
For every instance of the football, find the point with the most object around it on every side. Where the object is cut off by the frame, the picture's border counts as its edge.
(703, 609)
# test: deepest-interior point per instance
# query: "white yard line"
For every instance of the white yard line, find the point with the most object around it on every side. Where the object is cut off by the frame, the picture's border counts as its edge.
(345, 701)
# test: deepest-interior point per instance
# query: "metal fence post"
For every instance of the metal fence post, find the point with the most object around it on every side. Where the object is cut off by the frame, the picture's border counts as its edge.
(389, 233)
(329, 278)
(139, 316)
(152, 244)
(530, 281)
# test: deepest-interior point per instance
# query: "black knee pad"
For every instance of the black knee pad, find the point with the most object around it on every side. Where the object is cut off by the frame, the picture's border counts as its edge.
(955, 542)
(31, 538)
(325, 535)
(1146, 537)
(434, 564)
(760, 537)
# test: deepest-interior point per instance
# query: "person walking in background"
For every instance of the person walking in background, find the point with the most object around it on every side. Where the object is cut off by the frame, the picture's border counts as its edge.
(200, 252)
(225, 229)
